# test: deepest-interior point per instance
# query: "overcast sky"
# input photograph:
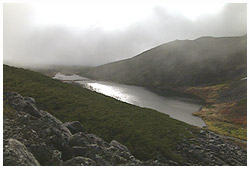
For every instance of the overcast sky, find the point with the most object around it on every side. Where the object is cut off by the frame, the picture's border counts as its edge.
(98, 33)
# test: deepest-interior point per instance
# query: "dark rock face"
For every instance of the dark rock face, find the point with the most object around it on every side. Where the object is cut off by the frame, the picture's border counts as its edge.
(35, 137)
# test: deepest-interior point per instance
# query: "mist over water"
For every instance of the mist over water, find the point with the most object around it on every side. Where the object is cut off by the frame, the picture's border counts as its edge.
(177, 107)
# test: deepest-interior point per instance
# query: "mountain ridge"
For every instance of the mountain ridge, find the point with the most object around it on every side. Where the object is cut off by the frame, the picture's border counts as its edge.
(172, 63)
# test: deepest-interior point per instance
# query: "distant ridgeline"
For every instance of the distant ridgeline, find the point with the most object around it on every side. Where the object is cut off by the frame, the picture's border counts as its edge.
(213, 69)
(203, 61)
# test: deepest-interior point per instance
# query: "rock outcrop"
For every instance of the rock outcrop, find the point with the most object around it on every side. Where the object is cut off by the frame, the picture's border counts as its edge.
(35, 137)
(74, 126)
(212, 149)
(16, 153)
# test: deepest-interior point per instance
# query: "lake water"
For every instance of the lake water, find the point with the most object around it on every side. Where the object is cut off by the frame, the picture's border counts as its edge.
(177, 107)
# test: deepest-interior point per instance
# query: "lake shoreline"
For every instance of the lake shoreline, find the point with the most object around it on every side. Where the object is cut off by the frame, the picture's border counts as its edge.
(176, 104)
(176, 93)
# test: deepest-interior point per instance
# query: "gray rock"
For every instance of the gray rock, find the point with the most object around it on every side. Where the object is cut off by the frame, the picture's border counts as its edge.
(57, 138)
(99, 154)
(16, 154)
(79, 139)
(202, 132)
(214, 148)
(46, 155)
(52, 143)
(50, 119)
(94, 139)
(211, 141)
(74, 126)
(173, 163)
(79, 161)
(22, 104)
(30, 99)
(118, 160)
(119, 145)
(79, 151)
(32, 110)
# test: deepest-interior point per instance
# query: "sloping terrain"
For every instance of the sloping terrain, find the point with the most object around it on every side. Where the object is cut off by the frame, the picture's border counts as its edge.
(35, 137)
(203, 61)
(225, 111)
(144, 131)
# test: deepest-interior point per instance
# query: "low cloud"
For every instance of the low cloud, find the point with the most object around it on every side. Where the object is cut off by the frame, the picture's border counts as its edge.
(27, 45)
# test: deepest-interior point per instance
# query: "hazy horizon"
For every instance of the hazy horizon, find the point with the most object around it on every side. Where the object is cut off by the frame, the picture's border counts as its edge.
(93, 34)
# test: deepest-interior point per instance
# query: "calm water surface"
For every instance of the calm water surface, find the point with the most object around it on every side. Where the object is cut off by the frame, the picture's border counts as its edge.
(177, 107)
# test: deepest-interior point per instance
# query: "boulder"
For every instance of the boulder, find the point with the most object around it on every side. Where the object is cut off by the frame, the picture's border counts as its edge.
(202, 132)
(56, 137)
(32, 110)
(118, 160)
(50, 142)
(99, 154)
(16, 154)
(46, 155)
(119, 145)
(94, 139)
(79, 151)
(79, 139)
(79, 161)
(121, 154)
(30, 99)
(74, 126)
(22, 104)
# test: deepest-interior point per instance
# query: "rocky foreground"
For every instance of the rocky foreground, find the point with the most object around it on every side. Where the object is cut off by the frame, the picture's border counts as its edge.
(35, 137)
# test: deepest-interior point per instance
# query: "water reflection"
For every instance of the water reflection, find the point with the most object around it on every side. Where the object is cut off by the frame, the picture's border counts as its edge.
(110, 91)
(176, 107)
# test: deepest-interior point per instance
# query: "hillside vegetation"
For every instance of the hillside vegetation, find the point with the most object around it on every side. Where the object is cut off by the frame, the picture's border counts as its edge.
(226, 107)
(203, 61)
(144, 131)
(35, 137)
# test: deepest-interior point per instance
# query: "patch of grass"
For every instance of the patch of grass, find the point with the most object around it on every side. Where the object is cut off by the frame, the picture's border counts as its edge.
(144, 131)
(226, 118)
(227, 129)
(220, 119)
(242, 102)
(208, 93)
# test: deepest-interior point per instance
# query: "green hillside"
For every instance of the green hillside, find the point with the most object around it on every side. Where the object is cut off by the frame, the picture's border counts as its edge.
(144, 131)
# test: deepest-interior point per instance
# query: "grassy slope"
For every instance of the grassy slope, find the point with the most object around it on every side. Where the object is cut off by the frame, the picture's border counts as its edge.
(144, 131)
